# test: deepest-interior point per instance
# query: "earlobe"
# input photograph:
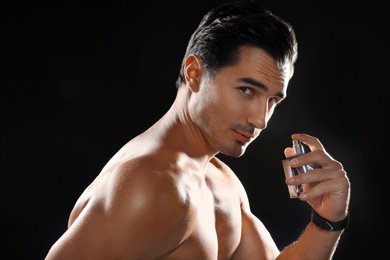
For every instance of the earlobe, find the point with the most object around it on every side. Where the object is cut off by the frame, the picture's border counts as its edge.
(192, 71)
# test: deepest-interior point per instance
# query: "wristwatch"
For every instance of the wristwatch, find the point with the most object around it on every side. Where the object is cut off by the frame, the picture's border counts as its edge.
(329, 225)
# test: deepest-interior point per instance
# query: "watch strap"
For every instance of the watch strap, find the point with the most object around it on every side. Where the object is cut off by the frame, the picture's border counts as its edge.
(329, 225)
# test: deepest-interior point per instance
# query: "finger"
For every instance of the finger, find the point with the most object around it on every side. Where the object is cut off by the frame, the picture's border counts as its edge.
(312, 142)
(289, 151)
(311, 179)
(319, 158)
(319, 175)
(337, 187)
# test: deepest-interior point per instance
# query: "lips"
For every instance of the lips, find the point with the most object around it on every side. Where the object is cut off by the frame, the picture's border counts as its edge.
(243, 137)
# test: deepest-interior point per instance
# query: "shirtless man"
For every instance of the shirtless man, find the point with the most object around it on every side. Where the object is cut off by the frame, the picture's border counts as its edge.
(165, 194)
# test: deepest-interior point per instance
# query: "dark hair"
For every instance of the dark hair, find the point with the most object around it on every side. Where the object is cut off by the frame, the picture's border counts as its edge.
(227, 27)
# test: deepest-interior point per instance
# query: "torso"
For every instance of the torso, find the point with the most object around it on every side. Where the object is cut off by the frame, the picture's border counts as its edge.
(218, 224)
(215, 198)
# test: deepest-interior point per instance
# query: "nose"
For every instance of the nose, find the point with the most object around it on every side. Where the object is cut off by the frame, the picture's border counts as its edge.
(259, 115)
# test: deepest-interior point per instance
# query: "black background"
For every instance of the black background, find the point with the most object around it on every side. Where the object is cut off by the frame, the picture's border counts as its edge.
(79, 80)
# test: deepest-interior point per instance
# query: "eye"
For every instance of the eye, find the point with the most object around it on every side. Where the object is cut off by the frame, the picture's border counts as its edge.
(246, 90)
(274, 101)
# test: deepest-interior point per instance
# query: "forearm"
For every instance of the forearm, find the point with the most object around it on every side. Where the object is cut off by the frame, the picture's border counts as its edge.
(314, 243)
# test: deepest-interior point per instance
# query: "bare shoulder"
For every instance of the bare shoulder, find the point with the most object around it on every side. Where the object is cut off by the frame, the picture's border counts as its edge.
(224, 169)
(137, 208)
(145, 198)
(229, 175)
(149, 186)
(256, 242)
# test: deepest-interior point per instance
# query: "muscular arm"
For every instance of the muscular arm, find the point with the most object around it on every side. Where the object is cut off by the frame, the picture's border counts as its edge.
(326, 190)
(314, 243)
(256, 241)
(131, 216)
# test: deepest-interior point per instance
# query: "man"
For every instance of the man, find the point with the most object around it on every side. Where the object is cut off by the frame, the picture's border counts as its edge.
(165, 194)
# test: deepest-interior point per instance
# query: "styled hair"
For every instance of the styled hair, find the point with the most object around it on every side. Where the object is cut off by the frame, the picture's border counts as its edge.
(231, 25)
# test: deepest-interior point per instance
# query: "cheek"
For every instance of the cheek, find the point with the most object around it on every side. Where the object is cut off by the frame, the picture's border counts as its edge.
(218, 105)
(226, 111)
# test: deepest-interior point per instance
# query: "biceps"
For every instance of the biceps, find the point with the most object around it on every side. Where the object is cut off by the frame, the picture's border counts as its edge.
(256, 242)
(94, 235)
(78, 244)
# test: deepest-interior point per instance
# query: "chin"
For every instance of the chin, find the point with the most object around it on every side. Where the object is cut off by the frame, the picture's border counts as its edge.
(234, 152)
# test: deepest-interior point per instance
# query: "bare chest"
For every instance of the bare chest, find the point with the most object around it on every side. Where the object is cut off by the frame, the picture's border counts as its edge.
(217, 231)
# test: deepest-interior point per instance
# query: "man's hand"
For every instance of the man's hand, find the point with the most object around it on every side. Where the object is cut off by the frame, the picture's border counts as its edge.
(327, 188)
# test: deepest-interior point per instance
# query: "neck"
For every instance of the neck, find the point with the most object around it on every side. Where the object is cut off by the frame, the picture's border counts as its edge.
(176, 128)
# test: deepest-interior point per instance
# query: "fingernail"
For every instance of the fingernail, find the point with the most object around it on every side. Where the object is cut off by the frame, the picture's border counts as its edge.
(294, 161)
(290, 180)
(303, 196)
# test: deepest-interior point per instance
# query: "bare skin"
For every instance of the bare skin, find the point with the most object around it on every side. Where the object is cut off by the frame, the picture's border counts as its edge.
(165, 195)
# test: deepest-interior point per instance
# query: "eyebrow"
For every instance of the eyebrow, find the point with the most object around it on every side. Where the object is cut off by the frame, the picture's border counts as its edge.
(258, 84)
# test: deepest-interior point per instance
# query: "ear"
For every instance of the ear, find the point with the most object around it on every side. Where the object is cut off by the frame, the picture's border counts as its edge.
(193, 71)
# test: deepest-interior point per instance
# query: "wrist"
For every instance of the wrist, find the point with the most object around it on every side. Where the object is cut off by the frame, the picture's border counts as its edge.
(329, 225)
